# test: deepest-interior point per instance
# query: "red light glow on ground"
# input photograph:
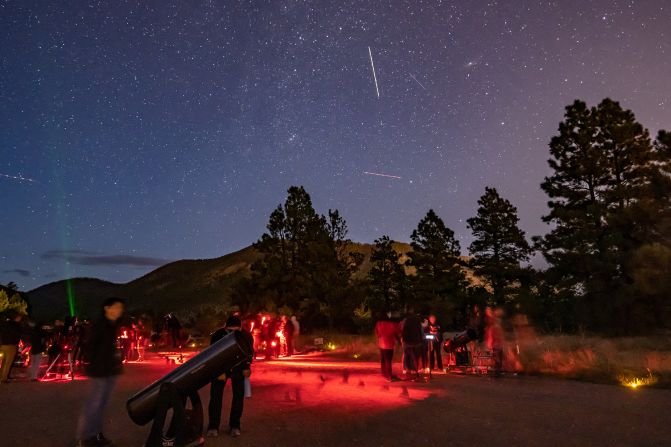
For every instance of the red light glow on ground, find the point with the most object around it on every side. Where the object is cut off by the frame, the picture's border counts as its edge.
(338, 385)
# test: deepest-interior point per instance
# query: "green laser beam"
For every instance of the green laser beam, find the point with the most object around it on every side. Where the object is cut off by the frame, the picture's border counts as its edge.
(70, 291)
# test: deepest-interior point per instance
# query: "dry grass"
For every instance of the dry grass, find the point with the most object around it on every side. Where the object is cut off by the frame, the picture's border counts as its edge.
(595, 358)
(642, 360)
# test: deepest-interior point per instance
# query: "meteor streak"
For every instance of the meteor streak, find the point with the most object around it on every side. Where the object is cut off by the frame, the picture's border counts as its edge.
(374, 75)
(18, 177)
(420, 84)
(382, 175)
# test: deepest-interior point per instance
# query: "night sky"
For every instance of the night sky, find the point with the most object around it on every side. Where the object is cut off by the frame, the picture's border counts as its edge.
(133, 133)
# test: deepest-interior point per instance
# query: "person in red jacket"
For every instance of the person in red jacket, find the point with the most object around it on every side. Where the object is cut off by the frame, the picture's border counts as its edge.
(387, 332)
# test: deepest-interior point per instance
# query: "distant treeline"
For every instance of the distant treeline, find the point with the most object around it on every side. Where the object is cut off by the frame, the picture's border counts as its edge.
(609, 247)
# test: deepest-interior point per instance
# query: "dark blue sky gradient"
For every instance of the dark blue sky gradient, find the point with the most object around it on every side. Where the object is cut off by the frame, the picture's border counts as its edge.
(162, 130)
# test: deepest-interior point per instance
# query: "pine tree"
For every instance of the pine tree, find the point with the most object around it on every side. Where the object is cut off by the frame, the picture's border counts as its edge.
(291, 248)
(660, 188)
(650, 265)
(334, 270)
(602, 207)
(305, 262)
(499, 246)
(387, 280)
(435, 256)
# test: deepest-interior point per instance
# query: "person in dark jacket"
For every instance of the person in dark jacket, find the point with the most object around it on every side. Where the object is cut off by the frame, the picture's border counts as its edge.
(270, 335)
(10, 335)
(435, 357)
(288, 331)
(412, 337)
(237, 375)
(103, 370)
(175, 330)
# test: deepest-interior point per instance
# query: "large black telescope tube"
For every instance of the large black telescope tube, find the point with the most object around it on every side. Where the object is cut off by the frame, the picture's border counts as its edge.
(459, 340)
(192, 375)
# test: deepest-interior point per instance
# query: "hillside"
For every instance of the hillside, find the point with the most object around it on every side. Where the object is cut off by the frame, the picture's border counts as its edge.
(51, 300)
(172, 287)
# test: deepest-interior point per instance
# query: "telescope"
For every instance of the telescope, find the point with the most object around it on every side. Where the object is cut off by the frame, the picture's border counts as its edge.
(180, 384)
(459, 340)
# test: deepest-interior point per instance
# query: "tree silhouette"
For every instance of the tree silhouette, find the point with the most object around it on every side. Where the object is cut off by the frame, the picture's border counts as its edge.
(387, 279)
(605, 196)
(435, 255)
(499, 246)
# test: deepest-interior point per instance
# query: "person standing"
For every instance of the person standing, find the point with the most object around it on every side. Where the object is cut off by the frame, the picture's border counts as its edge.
(10, 336)
(38, 344)
(436, 359)
(175, 330)
(105, 365)
(425, 346)
(237, 375)
(494, 337)
(270, 335)
(412, 338)
(288, 330)
(387, 332)
(297, 326)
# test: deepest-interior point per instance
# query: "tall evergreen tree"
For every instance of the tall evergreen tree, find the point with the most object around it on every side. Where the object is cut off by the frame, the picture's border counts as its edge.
(650, 264)
(387, 279)
(660, 188)
(499, 246)
(435, 256)
(305, 262)
(335, 267)
(294, 248)
(601, 208)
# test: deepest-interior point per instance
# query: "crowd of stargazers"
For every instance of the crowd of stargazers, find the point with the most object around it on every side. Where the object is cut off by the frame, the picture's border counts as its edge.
(99, 349)
(423, 343)
(57, 349)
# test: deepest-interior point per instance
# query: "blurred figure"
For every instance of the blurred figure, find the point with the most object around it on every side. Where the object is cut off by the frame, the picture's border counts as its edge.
(297, 326)
(142, 336)
(237, 375)
(436, 358)
(387, 332)
(125, 342)
(103, 369)
(494, 337)
(476, 322)
(425, 346)
(10, 335)
(257, 334)
(269, 336)
(297, 332)
(412, 338)
(288, 332)
(83, 334)
(38, 344)
(174, 329)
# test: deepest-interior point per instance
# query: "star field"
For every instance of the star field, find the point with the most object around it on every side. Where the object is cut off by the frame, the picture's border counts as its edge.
(160, 130)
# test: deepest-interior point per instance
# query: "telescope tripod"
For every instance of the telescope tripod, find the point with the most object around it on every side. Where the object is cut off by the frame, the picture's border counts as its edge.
(429, 353)
(58, 364)
(186, 425)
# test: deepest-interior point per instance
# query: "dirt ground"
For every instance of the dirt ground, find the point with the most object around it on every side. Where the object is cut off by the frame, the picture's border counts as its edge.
(317, 401)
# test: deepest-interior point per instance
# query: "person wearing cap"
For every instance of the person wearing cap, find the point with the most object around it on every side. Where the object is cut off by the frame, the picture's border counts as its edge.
(237, 375)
